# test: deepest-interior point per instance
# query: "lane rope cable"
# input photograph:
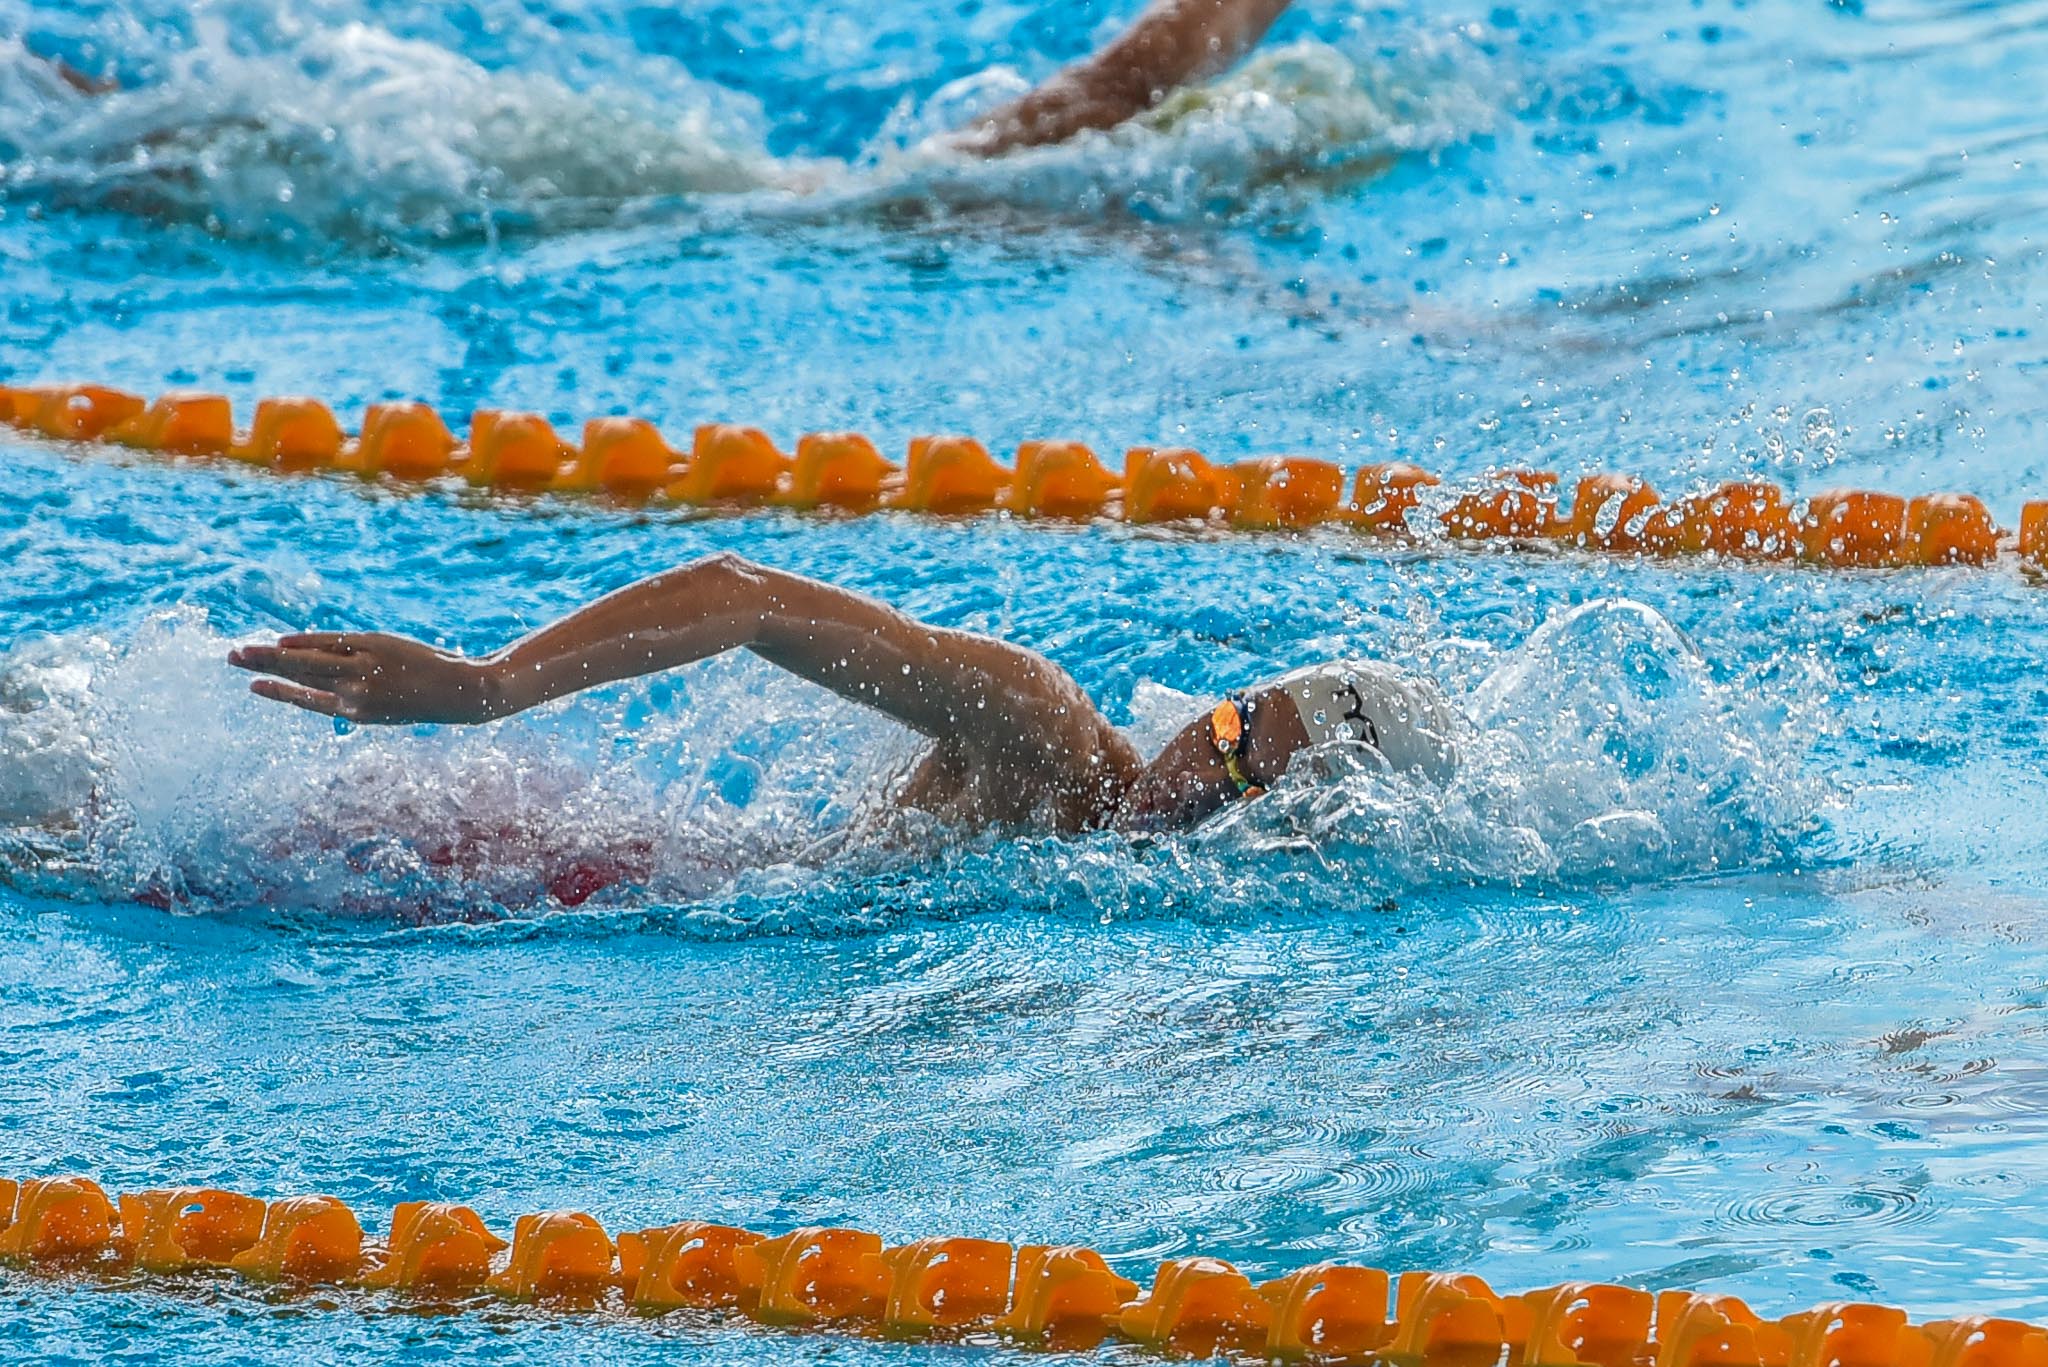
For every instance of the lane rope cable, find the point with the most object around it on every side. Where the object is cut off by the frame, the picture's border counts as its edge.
(734, 466)
(1062, 1297)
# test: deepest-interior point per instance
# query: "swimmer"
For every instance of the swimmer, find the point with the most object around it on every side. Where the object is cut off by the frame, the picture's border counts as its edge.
(1014, 740)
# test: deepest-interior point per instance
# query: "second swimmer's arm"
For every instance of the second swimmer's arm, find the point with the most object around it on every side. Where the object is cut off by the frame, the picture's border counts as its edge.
(1172, 43)
(950, 685)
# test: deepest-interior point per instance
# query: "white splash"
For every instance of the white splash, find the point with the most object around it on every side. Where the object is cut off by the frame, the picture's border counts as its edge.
(1599, 750)
(148, 772)
(352, 132)
(323, 131)
(1288, 123)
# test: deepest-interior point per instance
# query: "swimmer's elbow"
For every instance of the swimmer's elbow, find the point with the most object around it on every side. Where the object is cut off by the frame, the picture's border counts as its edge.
(723, 565)
(1173, 43)
(723, 580)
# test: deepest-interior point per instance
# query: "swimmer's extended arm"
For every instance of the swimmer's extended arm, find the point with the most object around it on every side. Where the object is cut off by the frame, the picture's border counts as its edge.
(954, 686)
(1173, 42)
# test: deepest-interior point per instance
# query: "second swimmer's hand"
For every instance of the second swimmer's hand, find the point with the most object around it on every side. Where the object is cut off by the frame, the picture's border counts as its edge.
(371, 677)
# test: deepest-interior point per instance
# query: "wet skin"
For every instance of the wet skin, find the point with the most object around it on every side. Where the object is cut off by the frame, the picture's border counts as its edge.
(1015, 741)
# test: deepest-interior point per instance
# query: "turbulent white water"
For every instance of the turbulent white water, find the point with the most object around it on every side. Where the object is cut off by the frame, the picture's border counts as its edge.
(1599, 750)
(326, 128)
(1287, 120)
(350, 131)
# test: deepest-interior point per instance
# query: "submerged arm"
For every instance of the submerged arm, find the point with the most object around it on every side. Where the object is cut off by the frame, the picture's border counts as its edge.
(951, 685)
(1173, 42)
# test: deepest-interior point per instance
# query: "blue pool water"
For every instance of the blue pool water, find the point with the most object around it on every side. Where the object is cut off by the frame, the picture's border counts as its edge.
(1718, 966)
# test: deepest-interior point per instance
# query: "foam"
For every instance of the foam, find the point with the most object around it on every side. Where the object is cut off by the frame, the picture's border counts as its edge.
(351, 132)
(313, 130)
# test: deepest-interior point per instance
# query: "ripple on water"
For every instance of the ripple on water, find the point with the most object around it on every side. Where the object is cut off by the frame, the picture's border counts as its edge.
(1828, 1207)
(1928, 1101)
(1332, 1175)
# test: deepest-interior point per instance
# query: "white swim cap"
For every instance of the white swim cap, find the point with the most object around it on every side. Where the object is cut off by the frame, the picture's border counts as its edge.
(1404, 716)
(1330, 704)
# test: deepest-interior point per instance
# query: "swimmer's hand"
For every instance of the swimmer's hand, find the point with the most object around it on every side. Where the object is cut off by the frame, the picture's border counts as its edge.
(371, 677)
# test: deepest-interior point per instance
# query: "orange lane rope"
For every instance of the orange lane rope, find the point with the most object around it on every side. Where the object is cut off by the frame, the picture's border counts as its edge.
(738, 466)
(1033, 1295)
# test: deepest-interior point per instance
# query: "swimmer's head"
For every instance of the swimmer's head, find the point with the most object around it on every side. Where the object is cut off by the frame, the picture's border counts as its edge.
(1329, 703)
(1243, 745)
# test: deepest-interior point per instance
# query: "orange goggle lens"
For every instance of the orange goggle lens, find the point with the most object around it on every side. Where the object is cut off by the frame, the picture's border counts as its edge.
(1226, 727)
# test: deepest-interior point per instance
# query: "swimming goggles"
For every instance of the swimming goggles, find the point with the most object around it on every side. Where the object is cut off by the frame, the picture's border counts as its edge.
(1226, 733)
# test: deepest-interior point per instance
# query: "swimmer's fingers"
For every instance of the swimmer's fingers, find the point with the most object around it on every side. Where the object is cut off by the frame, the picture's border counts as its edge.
(304, 664)
(266, 657)
(341, 642)
(316, 666)
(312, 699)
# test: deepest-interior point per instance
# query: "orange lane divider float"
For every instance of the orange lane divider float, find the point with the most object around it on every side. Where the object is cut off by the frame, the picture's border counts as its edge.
(1035, 1295)
(735, 466)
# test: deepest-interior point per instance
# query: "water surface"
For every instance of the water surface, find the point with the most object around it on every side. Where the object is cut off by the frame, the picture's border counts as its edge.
(1717, 966)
